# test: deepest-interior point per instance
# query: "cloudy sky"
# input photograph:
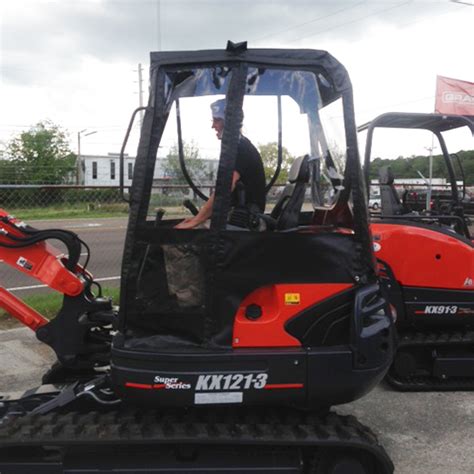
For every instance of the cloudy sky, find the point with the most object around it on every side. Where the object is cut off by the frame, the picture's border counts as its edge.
(75, 61)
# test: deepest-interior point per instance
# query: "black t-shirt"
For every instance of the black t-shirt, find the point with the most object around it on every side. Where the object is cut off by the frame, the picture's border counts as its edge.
(249, 165)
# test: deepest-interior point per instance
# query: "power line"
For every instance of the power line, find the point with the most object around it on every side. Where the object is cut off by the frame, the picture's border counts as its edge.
(420, 20)
(398, 5)
(314, 20)
(430, 17)
(470, 4)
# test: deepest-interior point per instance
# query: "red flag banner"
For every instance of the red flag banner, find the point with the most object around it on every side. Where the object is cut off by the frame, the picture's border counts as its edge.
(454, 96)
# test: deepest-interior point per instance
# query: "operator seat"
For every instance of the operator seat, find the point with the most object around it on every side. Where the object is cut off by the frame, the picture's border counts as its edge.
(391, 204)
(287, 210)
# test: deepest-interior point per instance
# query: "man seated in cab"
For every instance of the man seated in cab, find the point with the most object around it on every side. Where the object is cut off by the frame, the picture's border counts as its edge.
(248, 170)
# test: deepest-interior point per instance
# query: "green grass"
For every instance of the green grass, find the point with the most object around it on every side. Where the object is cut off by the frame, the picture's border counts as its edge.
(48, 213)
(70, 212)
(47, 305)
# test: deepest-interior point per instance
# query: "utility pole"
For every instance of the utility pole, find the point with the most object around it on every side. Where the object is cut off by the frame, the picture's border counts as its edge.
(430, 177)
(158, 23)
(140, 91)
(79, 174)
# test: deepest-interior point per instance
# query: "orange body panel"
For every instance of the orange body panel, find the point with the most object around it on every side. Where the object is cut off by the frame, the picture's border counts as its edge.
(421, 257)
(279, 303)
(40, 261)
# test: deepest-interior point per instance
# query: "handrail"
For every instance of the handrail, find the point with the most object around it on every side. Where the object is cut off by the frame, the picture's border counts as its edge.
(122, 151)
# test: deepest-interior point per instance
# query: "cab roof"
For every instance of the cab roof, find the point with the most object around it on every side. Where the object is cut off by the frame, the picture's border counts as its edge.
(433, 122)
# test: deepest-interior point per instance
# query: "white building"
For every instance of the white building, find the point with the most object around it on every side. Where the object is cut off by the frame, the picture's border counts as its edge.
(104, 170)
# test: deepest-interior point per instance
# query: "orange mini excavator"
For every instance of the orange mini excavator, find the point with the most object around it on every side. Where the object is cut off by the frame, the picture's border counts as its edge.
(426, 260)
(232, 340)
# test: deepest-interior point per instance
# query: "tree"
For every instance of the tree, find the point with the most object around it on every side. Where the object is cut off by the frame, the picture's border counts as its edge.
(197, 168)
(269, 154)
(40, 155)
(409, 167)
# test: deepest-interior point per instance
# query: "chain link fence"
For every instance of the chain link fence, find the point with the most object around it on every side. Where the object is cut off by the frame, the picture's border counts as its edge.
(98, 215)
(68, 201)
(39, 202)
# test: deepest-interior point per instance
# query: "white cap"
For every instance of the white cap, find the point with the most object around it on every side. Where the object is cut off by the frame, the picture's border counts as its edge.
(218, 109)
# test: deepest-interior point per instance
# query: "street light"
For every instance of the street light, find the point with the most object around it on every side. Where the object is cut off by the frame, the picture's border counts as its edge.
(79, 177)
(430, 170)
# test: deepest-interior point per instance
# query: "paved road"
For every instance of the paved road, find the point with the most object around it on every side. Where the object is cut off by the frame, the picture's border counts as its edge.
(105, 237)
(424, 433)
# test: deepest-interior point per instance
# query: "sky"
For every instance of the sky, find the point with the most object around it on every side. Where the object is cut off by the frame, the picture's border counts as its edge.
(75, 62)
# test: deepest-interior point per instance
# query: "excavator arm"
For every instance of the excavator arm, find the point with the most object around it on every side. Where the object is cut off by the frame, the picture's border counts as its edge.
(80, 333)
(26, 249)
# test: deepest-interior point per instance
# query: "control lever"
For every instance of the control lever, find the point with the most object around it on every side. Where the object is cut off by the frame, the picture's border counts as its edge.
(159, 215)
(189, 205)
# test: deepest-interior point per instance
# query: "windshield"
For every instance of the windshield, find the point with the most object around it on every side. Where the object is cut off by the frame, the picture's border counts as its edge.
(420, 163)
(285, 116)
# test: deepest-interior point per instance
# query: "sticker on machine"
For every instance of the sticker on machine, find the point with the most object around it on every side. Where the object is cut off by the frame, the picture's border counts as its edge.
(438, 309)
(170, 383)
(215, 398)
(24, 263)
(231, 382)
(446, 310)
(292, 298)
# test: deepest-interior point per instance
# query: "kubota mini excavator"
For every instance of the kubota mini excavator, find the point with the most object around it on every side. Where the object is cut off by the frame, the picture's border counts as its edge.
(285, 317)
(426, 262)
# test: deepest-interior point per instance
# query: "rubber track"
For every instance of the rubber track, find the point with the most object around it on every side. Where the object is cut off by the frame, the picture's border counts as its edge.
(426, 383)
(263, 426)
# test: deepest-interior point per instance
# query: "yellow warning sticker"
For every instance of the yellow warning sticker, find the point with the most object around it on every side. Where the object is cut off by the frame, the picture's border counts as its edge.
(292, 298)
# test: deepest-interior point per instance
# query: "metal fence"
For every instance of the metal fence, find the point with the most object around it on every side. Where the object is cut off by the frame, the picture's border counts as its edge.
(97, 214)
(47, 201)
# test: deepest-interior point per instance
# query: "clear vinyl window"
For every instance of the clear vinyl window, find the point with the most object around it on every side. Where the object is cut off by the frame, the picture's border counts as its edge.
(287, 115)
(415, 159)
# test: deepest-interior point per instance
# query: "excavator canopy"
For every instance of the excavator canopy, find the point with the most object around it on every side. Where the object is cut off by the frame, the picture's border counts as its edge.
(327, 243)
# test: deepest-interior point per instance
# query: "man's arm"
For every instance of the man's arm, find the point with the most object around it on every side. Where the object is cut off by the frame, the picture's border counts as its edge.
(203, 214)
(206, 210)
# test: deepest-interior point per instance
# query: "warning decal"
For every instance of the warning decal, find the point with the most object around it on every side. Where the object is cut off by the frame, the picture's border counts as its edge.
(292, 298)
